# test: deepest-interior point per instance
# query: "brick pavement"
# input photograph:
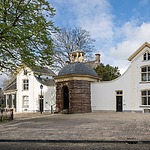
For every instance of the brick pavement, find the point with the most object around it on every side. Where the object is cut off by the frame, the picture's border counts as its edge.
(104, 126)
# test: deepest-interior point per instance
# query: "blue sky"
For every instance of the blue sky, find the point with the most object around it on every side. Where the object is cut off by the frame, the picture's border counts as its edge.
(118, 26)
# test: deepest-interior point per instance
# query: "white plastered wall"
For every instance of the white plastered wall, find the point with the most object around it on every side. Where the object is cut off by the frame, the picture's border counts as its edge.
(103, 94)
(34, 92)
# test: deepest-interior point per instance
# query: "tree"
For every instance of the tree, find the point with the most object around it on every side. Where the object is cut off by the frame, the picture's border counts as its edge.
(25, 33)
(69, 40)
(107, 73)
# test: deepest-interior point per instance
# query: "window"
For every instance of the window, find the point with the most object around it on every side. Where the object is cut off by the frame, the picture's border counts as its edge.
(145, 73)
(25, 72)
(146, 56)
(119, 92)
(25, 101)
(145, 97)
(41, 97)
(26, 84)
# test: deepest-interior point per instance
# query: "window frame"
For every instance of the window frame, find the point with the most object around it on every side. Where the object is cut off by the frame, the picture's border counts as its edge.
(25, 84)
(145, 97)
(146, 56)
(25, 98)
(145, 74)
(119, 92)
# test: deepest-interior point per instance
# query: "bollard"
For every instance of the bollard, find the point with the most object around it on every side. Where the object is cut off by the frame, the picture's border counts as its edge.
(1, 112)
(51, 109)
(0, 115)
(12, 115)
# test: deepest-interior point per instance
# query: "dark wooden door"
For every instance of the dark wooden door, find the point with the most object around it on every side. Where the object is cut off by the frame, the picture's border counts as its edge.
(66, 98)
(119, 103)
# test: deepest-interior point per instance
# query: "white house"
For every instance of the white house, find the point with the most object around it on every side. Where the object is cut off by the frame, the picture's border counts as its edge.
(28, 87)
(129, 92)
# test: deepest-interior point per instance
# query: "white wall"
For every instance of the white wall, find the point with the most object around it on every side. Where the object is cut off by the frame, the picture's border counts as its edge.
(34, 92)
(103, 94)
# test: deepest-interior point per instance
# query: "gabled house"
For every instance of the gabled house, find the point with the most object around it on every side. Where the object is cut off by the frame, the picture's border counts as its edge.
(28, 87)
(24, 91)
(78, 88)
(129, 92)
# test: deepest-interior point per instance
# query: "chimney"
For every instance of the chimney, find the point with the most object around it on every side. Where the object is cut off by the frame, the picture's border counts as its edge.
(97, 58)
(67, 62)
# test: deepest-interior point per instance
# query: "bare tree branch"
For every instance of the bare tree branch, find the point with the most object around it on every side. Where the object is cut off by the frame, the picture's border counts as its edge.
(70, 40)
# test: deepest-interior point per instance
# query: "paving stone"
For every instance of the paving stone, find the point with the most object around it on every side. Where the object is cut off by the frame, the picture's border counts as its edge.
(104, 126)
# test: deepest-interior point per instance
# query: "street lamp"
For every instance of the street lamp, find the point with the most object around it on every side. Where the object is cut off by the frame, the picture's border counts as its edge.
(13, 99)
(41, 99)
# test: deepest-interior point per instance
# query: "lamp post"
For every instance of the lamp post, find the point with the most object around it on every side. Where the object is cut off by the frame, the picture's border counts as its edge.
(41, 99)
(13, 97)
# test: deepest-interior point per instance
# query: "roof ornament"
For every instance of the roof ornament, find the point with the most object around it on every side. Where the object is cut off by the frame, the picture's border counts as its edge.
(77, 56)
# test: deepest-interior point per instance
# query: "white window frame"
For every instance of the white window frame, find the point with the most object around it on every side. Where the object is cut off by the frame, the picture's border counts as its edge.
(145, 97)
(25, 84)
(146, 56)
(25, 101)
(119, 92)
(145, 75)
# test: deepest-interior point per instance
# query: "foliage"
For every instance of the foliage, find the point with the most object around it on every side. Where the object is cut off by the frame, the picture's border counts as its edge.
(2, 105)
(69, 40)
(107, 72)
(25, 33)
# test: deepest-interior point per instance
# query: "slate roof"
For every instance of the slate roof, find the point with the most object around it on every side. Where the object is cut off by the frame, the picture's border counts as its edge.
(11, 85)
(77, 68)
(47, 82)
(43, 70)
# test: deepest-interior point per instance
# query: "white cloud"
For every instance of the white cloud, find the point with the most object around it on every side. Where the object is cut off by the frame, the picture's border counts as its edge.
(144, 2)
(115, 43)
(123, 50)
(94, 16)
(134, 37)
(2, 78)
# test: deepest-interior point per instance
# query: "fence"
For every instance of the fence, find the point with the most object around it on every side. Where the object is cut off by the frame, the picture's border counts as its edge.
(6, 114)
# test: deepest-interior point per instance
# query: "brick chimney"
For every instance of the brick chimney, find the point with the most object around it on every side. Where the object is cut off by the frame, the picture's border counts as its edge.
(97, 58)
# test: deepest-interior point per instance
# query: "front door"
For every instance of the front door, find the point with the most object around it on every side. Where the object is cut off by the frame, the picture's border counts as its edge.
(119, 103)
(66, 99)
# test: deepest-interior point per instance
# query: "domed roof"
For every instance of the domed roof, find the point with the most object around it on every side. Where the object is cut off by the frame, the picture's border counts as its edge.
(77, 68)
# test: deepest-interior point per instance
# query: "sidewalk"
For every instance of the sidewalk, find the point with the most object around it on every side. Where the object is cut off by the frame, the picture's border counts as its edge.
(30, 115)
(106, 126)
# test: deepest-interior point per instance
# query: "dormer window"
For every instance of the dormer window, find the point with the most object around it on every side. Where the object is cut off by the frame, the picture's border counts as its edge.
(25, 72)
(146, 56)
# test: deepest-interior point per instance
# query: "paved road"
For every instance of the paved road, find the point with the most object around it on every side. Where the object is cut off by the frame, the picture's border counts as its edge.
(44, 130)
(72, 146)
